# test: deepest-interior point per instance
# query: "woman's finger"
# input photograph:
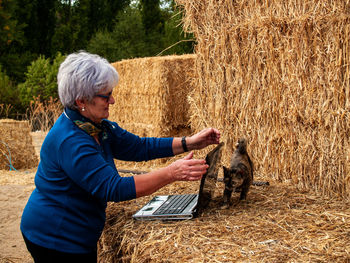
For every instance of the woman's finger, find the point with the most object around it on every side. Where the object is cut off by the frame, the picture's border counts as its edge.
(188, 156)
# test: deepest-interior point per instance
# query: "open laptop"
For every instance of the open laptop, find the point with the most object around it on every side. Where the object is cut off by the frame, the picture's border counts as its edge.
(185, 206)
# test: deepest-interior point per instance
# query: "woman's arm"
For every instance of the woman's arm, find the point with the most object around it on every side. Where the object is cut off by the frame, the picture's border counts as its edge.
(197, 141)
(186, 169)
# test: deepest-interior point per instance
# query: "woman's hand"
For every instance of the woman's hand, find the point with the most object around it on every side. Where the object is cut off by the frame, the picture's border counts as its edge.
(188, 169)
(203, 138)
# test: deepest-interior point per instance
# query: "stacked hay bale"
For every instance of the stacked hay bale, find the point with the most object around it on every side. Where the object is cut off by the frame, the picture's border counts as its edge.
(151, 97)
(278, 73)
(16, 149)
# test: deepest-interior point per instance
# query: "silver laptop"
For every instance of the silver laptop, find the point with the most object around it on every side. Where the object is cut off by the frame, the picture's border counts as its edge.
(185, 206)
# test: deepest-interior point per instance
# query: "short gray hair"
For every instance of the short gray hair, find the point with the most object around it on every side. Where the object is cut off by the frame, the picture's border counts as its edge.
(82, 75)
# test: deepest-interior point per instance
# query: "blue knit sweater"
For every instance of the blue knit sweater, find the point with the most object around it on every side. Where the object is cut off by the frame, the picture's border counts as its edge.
(76, 177)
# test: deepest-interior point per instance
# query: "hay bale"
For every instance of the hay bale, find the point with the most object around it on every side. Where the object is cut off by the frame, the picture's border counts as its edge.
(16, 145)
(151, 97)
(278, 73)
(277, 223)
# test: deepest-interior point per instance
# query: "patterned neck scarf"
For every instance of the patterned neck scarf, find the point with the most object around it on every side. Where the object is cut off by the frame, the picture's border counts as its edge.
(83, 123)
(88, 127)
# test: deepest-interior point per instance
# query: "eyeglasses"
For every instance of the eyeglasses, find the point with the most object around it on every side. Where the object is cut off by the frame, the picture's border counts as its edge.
(106, 97)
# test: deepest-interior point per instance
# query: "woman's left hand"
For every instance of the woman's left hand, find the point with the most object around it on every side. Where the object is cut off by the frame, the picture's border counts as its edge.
(203, 138)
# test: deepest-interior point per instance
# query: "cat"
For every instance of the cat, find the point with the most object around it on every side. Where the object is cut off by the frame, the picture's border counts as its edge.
(239, 176)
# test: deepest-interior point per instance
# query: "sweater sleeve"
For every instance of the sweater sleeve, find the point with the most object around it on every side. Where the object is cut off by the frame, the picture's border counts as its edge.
(130, 147)
(83, 163)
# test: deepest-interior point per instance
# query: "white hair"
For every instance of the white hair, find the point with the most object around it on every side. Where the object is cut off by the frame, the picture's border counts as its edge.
(82, 75)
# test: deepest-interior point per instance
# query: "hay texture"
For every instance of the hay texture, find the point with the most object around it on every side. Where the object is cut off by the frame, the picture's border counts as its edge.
(278, 73)
(16, 146)
(277, 223)
(151, 96)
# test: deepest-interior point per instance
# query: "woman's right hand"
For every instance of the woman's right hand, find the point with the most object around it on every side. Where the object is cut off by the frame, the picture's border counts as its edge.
(188, 169)
(185, 169)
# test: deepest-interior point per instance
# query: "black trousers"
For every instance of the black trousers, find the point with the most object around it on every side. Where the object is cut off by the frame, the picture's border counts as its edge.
(44, 255)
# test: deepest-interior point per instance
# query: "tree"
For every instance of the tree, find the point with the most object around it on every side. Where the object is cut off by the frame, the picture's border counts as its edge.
(152, 18)
(38, 18)
(9, 97)
(11, 37)
(32, 22)
(127, 40)
(10, 28)
(41, 80)
(102, 14)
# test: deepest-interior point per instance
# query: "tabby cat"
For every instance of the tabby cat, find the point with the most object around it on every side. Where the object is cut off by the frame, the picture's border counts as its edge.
(239, 176)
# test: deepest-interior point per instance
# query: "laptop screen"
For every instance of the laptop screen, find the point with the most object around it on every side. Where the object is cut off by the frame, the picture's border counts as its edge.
(208, 181)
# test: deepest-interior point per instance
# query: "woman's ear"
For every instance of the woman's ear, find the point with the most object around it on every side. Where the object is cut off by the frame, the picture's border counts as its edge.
(80, 103)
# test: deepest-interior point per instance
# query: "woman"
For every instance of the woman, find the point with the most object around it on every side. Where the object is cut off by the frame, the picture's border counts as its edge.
(76, 176)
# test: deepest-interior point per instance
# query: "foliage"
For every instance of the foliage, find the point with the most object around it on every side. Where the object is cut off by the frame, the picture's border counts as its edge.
(10, 29)
(130, 37)
(125, 41)
(16, 64)
(41, 80)
(152, 17)
(11, 35)
(8, 95)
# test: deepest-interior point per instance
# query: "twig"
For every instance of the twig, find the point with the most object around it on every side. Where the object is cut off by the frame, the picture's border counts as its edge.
(184, 40)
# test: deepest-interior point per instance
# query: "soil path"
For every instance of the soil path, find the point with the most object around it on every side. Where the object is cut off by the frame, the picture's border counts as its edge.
(15, 189)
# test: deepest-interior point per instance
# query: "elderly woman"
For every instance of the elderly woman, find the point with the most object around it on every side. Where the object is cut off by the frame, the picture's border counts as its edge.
(76, 176)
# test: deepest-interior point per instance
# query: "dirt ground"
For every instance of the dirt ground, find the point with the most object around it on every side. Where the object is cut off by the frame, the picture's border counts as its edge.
(15, 188)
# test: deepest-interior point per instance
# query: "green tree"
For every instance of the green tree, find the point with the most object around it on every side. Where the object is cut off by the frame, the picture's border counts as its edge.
(10, 30)
(152, 17)
(41, 80)
(38, 18)
(127, 40)
(11, 37)
(103, 13)
(9, 97)
(78, 21)
(32, 22)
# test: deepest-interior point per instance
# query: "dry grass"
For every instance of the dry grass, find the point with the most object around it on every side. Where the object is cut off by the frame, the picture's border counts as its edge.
(5, 110)
(42, 115)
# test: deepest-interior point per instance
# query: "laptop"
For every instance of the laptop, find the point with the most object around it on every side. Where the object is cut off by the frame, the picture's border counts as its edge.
(184, 206)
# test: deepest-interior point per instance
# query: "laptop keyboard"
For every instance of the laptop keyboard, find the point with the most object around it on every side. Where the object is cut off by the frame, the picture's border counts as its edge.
(175, 204)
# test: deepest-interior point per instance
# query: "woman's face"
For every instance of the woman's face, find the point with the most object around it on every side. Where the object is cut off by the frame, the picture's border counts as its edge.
(98, 108)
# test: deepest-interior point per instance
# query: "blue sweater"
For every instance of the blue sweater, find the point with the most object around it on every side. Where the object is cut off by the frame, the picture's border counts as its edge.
(75, 179)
